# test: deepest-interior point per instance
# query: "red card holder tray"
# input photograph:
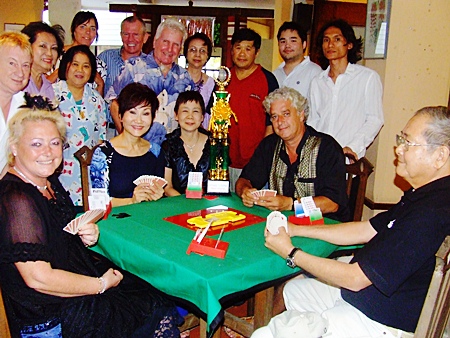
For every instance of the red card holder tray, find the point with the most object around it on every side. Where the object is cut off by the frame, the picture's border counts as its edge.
(207, 247)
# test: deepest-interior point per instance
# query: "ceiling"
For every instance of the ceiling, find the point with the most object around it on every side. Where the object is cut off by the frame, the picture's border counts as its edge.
(104, 4)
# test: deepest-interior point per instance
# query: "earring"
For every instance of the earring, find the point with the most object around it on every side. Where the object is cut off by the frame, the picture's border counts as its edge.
(15, 154)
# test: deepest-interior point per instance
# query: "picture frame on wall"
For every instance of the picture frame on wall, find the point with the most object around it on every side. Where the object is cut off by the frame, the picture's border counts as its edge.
(377, 29)
(13, 27)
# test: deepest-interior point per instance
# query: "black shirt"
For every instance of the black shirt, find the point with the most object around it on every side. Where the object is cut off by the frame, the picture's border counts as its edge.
(399, 260)
(330, 170)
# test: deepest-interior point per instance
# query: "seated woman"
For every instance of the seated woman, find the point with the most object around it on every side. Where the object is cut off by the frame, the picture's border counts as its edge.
(48, 278)
(84, 111)
(117, 163)
(187, 148)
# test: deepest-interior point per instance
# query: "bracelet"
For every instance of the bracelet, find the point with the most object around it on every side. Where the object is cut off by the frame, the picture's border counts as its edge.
(102, 288)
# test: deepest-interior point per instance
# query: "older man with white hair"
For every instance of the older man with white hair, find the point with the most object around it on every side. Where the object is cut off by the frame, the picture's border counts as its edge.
(158, 71)
(296, 161)
(381, 292)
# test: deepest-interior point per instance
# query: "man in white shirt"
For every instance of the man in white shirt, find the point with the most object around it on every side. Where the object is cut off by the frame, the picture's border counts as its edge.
(15, 67)
(346, 98)
(297, 70)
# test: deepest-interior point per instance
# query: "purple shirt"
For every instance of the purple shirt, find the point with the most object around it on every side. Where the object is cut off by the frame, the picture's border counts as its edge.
(46, 89)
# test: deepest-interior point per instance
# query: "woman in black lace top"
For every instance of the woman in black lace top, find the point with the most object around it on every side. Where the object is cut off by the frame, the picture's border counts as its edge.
(48, 278)
(187, 148)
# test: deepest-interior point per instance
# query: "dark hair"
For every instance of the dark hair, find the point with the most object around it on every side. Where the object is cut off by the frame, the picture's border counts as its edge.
(34, 28)
(199, 36)
(67, 59)
(79, 19)
(133, 19)
(37, 102)
(247, 34)
(354, 54)
(292, 26)
(190, 96)
(136, 94)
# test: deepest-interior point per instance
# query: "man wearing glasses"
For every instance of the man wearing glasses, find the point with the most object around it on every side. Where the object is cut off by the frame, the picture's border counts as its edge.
(381, 292)
(296, 161)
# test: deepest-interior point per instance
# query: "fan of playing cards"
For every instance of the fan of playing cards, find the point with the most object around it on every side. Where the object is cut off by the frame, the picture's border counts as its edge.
(264, 192)
(150, 179)
(90, 216)
(276, 220)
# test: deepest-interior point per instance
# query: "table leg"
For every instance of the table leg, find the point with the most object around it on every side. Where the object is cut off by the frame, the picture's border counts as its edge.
(263, 307)
(204, 327)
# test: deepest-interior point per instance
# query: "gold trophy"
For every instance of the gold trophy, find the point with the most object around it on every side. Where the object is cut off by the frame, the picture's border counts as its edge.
(218, 180)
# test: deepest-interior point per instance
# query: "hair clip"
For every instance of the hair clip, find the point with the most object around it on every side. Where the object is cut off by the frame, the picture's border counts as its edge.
(38, 102)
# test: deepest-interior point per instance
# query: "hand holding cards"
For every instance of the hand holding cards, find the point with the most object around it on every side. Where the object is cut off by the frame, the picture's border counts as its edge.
(90, 216)
(151, 180)
(275, 220)
(264, 193)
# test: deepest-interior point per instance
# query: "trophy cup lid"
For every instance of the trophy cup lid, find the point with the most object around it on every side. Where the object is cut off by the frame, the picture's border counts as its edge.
(223, 78)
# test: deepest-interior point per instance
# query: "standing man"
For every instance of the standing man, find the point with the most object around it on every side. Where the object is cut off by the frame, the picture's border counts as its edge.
(158, 71)
(250, 83)
(381, 292)
(134, 36)
(296, 161)
(346, 98)
(15, 67)
(297, 70)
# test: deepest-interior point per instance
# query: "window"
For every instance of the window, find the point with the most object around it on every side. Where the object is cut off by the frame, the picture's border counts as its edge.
(108, 29)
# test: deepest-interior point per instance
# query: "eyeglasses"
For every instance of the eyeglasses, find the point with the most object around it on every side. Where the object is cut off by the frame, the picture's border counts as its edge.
(400, 140)
(202, 51)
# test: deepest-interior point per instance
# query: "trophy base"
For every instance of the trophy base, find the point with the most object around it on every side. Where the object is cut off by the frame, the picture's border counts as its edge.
(218, 187)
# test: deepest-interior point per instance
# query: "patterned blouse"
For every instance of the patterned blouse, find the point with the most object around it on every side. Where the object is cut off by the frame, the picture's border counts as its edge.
(86, 125)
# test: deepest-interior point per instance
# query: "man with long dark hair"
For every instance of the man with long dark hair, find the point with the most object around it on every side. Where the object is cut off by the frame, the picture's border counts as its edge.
(346, 98)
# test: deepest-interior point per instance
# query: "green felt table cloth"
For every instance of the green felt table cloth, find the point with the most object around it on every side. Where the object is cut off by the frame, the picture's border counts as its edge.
(155, 250)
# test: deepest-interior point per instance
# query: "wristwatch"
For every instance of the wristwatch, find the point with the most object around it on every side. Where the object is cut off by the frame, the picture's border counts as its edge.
(290, 258)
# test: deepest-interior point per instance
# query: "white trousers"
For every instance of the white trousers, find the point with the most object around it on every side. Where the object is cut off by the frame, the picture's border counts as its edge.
(344, 320)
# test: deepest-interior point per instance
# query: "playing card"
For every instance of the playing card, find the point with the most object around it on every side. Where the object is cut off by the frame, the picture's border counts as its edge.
(90, 216)
(269, 193)
(150, 179)
(142, 179)
(159, 181)
(276, 220)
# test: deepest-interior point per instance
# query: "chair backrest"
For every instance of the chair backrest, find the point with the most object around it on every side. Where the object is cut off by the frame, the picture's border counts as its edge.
(84, 155)
(357, 175)
(436, 309)
(4, 328)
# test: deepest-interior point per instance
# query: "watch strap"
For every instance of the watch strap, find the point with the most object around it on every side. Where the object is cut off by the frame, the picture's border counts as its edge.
(294, 250)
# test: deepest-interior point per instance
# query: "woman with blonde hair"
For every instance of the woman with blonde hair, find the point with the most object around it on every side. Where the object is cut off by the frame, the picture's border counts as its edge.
(50, 283)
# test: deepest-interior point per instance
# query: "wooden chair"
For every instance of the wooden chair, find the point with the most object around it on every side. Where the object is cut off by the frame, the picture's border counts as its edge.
(436, 309)
(4, 327)
(84, 156)
(357, 175)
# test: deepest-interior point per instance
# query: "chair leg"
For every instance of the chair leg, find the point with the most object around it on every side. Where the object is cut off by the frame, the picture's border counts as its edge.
(4, 327)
